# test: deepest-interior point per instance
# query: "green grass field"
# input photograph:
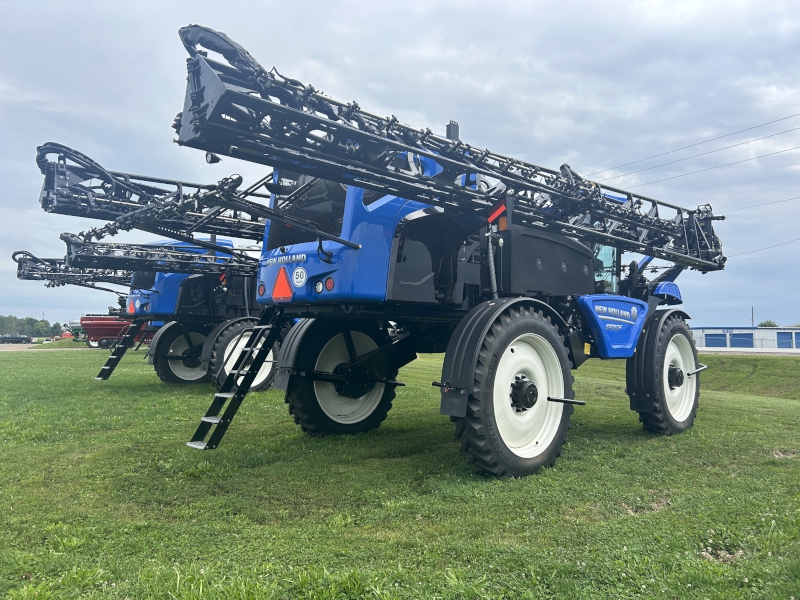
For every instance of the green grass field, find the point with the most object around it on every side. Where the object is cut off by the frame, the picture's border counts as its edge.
(59, 344)
(99, 496)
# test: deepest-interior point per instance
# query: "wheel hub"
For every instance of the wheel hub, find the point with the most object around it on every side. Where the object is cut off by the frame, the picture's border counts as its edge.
(355, 388)
(191, 356)
(675, 377)
(523, 393)
(191, 362)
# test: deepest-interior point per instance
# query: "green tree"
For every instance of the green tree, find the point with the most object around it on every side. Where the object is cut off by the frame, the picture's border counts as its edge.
(7, 324)
(41, 329)
(28, 326)
(768, 324)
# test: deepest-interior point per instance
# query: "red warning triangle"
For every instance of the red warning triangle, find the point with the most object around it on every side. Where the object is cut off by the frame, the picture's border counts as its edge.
(282, 290)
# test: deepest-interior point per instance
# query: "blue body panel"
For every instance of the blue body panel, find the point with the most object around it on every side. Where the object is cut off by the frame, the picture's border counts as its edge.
(669, 291)
(162, 298)
(616, 323)
(358, 275)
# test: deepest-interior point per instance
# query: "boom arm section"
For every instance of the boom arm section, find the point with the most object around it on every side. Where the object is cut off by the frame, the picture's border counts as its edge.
(243, 110)
(76, 185)
(162, 258)
(55, 272)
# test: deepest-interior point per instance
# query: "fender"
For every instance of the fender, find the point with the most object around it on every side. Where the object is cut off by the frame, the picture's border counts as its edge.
(461, 357)
(208, 345)
(640, 365)
(288, 353)
(151, 351)
(400, 352)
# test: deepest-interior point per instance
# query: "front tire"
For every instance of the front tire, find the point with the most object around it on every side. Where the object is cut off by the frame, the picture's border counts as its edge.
(316, 405)
(511, 429)
(226, 350)
(668, 399)
(175, 360)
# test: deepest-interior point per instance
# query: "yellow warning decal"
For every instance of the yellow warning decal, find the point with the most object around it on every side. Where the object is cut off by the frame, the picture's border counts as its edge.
(587, 349)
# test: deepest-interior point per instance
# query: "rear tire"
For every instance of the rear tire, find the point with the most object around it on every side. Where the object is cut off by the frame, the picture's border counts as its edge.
(522, 347)
(668, 399)
(316, 405)
(226, 350)
(103, 343)
(173, 344)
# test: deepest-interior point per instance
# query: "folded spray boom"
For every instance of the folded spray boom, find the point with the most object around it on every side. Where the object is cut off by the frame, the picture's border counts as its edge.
(242, 110)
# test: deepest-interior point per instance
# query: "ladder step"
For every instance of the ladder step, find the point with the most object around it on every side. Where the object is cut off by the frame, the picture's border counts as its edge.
(214, 425)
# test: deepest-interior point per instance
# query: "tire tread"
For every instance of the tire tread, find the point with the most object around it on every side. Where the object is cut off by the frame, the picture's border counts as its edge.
(471, 430)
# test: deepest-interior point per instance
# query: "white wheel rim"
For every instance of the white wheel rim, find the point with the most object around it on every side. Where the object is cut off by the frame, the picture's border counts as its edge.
(179, 346)
(529, 433)
(341, 409)
(234, 349)
(680, 399)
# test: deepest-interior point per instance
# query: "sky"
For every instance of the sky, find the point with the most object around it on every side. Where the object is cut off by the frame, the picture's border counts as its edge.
(594, 84)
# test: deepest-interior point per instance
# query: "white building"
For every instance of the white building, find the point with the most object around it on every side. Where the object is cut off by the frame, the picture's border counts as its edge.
(778, 338)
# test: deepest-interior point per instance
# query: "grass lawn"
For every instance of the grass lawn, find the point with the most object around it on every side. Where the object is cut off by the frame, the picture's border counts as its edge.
(99, 496)
(60, 344)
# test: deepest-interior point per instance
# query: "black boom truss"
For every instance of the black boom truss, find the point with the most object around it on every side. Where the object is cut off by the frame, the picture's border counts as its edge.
(56, 272)
(243, 110)
(76, 185)
(161, 258)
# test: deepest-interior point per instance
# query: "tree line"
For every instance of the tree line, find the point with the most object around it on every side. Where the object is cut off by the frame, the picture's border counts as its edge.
(28, 326)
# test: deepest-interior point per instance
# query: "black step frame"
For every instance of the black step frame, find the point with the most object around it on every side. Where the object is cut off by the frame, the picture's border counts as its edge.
(231, 394)
(120, 349)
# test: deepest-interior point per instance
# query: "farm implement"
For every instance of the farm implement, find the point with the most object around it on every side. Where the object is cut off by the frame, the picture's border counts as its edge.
(380, 241)
(513, 269)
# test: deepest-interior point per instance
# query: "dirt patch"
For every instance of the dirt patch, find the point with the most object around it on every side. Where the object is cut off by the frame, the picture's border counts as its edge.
(650, 507)
(15, 347)
(586, 513)
(721, 556)
(784, 453)
(12, 347)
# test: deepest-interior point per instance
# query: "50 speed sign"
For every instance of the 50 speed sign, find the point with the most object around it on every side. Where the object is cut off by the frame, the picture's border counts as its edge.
(299, 277)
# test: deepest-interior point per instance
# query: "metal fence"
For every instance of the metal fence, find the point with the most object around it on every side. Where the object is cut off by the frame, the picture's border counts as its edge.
(780, 338)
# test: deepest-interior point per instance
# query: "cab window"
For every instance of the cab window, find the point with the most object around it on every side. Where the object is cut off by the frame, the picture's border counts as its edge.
(322, 205)
(605, 269)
